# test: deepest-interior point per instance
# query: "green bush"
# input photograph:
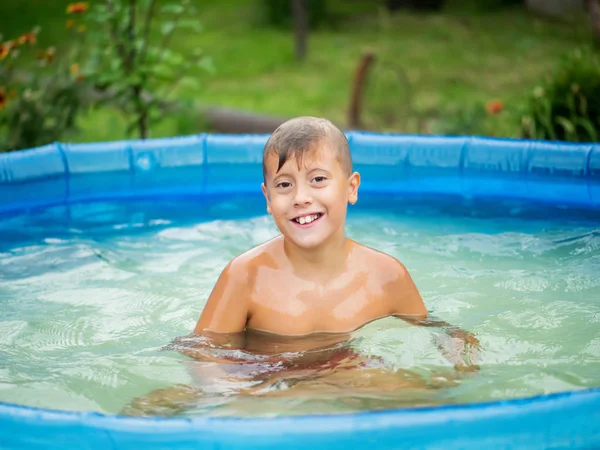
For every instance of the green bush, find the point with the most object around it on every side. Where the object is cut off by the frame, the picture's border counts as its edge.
(567, 105)
(40, 95)
(131, 56)
(44, 112)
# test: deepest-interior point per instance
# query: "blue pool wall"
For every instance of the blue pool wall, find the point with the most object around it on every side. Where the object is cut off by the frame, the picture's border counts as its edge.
(552, 173)
(538, 171)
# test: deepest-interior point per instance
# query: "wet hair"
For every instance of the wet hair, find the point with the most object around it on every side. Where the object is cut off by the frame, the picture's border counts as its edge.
(297, 137)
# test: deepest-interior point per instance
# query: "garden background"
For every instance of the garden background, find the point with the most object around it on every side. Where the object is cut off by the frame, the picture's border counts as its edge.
(111, 69)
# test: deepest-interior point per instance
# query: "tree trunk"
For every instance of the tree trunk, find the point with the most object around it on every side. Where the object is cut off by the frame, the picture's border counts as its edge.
(431, 5)
(593, 7)
(300, 28)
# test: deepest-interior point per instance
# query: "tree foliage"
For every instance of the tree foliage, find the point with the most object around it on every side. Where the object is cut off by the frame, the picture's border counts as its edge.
(132, 58)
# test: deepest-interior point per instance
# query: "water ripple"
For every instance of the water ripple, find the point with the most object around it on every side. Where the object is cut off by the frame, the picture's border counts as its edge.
(91, 293)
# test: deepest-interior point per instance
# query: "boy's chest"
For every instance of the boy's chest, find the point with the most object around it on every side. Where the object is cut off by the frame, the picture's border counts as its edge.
(289, 306)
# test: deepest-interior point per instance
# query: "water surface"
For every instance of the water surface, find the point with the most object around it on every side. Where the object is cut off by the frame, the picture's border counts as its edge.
(90, 294)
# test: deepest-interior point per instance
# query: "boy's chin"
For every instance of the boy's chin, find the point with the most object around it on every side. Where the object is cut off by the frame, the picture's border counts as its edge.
(306, 243)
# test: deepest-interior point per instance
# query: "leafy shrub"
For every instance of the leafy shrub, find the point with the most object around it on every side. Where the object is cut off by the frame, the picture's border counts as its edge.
(120, 55)
(567, 105)
(40, 96)
(130, 56)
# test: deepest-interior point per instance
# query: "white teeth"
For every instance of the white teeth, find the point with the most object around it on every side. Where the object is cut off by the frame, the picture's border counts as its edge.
(307, 219)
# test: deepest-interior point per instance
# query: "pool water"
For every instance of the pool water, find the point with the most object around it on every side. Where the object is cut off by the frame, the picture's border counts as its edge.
(91, 293)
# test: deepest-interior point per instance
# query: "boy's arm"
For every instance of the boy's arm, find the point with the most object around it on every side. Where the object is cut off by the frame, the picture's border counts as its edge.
(458, 346)
(218, 331)
(226, 310)
(223, 319)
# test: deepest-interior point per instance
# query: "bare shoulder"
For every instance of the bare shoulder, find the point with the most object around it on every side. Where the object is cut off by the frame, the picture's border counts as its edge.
(380, 263)
(228, 306)
(394, 281)
(264, 254)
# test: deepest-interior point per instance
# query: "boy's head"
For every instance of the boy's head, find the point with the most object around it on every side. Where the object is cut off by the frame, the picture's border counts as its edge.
(308, 180)
(301, 136)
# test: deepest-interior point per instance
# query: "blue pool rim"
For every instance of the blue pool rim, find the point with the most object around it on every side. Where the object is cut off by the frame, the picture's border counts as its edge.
(551, 173)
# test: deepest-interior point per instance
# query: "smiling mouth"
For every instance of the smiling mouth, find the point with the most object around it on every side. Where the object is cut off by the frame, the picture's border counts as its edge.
(307, 220)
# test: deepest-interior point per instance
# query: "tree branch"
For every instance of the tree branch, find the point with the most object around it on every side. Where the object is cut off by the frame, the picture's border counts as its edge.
(114, 31)
(146, 31)
(131, 35)
(167, 38)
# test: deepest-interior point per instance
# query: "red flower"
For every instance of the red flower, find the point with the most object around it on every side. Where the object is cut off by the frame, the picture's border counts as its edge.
(77, 8)
(2, 97)
(494, 107)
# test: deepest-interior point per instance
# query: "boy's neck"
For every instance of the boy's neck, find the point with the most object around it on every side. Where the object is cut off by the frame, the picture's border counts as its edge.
(318, 264)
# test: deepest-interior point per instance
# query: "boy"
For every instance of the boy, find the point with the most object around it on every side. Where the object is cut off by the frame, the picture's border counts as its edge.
(312, 278)
(309, 287)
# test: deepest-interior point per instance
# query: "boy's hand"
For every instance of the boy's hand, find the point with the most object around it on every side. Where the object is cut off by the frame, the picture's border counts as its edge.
(466, 345)
(458, 346)
(457, 351)
(470, 356)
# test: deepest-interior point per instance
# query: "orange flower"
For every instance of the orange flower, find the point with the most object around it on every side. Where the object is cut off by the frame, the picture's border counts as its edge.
(69, 24)
(27, 37)
(77, 8)
(5, 49)
(2, 97)
(494, 107)
(74, 69)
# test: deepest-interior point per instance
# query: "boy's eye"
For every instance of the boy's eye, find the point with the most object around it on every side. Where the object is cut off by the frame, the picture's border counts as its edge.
(284, 184)
(319, 179)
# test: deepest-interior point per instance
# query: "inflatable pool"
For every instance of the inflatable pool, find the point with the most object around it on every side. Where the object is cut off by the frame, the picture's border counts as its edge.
(558, 174)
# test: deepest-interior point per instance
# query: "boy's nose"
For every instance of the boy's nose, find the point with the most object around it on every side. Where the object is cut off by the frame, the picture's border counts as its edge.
(302, 196)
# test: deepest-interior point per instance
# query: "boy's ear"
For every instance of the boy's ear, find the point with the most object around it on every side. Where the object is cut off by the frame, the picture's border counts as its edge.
(353, 184)
(266, 194)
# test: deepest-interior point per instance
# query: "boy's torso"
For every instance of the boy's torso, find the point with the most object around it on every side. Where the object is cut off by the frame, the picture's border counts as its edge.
(281, 302)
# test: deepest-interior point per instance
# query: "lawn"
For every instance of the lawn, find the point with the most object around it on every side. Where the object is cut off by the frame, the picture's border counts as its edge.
(433, 72)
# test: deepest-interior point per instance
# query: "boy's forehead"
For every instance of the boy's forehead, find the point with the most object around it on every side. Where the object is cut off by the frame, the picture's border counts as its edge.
(318, 155)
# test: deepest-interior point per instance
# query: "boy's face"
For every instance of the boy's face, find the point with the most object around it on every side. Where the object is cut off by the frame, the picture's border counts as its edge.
(309, 203)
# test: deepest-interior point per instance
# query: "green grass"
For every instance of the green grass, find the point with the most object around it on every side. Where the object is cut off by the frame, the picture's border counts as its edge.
(430, 68)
